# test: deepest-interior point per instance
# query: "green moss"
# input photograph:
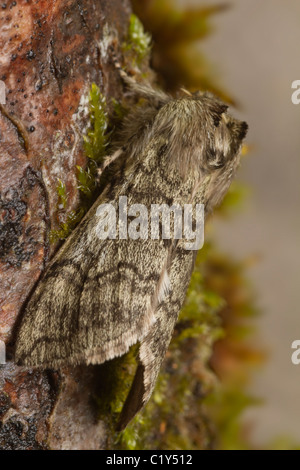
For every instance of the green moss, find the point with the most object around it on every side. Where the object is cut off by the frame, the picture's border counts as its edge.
(96, 140)
(72, 219)
(62, 194)
(137, 434)
(86, 179)
(119, 109)
(138, 40)
(95, 145)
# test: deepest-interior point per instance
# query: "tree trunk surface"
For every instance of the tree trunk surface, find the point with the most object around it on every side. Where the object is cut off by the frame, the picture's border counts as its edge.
(51, 53)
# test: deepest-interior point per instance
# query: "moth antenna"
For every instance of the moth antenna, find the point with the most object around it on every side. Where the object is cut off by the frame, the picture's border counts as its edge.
(144, 90)
(186, 92)
(108, 161)
(124, 75)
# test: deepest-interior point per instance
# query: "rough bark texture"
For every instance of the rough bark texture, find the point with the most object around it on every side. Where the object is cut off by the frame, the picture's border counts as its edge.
(51, 52)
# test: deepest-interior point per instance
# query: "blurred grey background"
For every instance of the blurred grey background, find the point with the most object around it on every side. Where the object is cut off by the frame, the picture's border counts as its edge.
(255, 50)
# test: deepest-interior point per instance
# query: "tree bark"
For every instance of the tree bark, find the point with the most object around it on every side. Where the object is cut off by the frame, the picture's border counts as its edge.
(51, 53)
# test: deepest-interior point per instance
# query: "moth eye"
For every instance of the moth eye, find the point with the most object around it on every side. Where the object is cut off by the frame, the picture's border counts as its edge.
(217, 164)
(243, 130)
(215, 159)
(217, 119)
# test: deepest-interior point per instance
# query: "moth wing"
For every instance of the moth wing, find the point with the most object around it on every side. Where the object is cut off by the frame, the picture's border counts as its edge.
(49, 321)
(93, 303)
(98, 297)
(154, 345)
(123, 311)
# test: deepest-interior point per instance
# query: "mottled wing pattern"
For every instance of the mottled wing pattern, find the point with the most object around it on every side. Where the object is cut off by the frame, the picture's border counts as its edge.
(99, 297)
(156, 342)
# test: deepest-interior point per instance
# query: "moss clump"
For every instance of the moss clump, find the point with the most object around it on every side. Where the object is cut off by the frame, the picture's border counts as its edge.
(71, 220)
(119, 110)
(96, 140)
(138, 41)
(62, 195)
(95, 145)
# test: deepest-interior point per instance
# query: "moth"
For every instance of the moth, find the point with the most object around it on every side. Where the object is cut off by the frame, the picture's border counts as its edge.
(97, 298)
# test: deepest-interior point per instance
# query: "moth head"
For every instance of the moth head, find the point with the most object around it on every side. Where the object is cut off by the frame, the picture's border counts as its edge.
(203, 141)
(202, 136)
(220, 135)
(220, 147)
(200, 140)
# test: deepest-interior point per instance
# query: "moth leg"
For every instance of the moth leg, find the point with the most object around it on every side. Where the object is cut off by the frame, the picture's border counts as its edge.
(144, 90)
(108, 161)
